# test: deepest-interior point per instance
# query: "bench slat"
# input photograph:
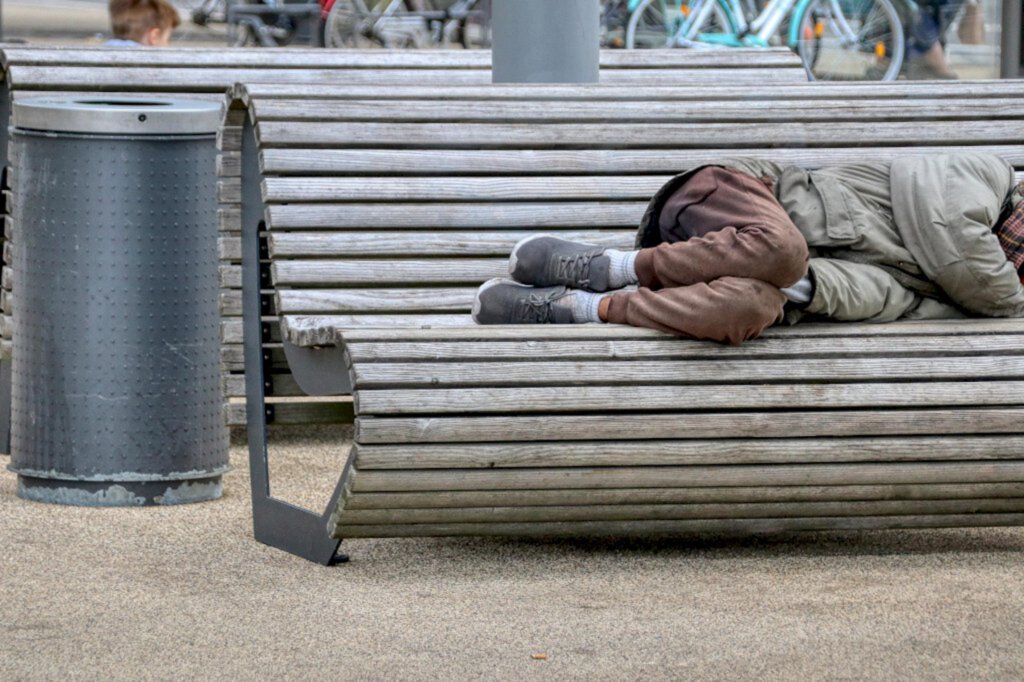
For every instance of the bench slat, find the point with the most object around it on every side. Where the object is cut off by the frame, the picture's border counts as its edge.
(618, 135)
(675, 528)
(637, 113)
(376, 321)
(285, 245)
(300, 58)
(687, 452)
(321, 330)
(583, 478)
(643, 398)
(953, 328)
(455, 270)
(678, 349)
(456, 188)
(376, 300)
(466, 499)
(834, 423)
(635, 512)
(904, 91)
(611, 371)
(192, 79)
(510, 216)
(579, 161)
(508, 189)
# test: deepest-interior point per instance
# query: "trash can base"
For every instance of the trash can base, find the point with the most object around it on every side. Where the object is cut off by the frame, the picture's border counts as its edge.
(119, 493)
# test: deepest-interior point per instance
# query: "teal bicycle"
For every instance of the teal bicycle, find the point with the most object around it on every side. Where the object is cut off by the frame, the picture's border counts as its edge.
(836, 39)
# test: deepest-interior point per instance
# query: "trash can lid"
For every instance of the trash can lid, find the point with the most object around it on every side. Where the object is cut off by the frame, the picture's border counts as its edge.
(117, 115)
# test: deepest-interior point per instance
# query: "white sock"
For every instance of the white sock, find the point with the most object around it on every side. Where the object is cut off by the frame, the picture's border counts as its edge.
(800, 292)
(622, 269)
(585, 306)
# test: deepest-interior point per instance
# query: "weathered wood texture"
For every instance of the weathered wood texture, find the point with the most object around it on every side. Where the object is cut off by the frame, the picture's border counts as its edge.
(189, 79)
(384, 212)
(208, 73)
(221, 59)
(693, 452)
(680, 527)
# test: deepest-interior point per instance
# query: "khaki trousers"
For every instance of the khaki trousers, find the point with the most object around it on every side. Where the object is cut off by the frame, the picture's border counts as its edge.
(727, 248)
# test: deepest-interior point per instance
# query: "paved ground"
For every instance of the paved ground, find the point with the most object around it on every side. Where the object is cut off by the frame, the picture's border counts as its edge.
(185, 592)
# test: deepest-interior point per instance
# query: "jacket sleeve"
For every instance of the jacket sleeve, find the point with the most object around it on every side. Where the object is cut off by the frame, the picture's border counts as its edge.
(858, 292)
(758, 168)
(945, 207)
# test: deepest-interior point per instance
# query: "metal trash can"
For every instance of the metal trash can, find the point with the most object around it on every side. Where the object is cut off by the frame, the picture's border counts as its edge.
(115, 391)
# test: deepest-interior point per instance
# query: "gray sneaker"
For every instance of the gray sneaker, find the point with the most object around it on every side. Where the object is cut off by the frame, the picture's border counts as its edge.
(544, 261)
(502, 301)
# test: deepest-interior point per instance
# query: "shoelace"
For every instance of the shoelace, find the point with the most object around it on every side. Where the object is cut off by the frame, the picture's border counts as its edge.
(575, 269)
(535, 308)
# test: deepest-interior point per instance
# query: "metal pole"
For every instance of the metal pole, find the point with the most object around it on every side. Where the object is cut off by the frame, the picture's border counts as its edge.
(545, 41)
(1009, 51)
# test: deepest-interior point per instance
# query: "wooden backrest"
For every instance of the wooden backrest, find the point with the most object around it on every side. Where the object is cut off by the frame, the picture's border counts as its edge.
(391, 207)
(212, 71)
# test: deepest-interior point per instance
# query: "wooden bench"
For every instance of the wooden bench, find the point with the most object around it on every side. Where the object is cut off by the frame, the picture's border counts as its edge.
(278, 104)
(369, 234)
(208, 73)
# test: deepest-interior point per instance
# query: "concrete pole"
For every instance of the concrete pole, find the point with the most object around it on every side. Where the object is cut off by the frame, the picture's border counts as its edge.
(545, 41)
(1009, 52)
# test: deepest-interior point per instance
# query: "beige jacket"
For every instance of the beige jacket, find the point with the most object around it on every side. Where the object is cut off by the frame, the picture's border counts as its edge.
(908, 239)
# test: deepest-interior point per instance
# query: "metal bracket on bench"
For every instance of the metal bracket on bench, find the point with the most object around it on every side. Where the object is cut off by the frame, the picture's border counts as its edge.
(275, 522)
(319, 371)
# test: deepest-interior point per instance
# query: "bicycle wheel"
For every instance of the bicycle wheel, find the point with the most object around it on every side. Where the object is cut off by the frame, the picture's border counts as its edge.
(850, 40)
(651, 25)
(660, 23)
(707, 23)
(345, 25)
(614, 17)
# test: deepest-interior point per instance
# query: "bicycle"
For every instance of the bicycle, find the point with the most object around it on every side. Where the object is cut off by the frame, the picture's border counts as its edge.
(264, 23)
(614, 17)
(206, 12)
(836, 39)
(394, 24)
(656, 24)
(274, 23)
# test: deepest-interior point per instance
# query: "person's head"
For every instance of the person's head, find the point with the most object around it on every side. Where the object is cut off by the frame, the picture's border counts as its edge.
(147, 22)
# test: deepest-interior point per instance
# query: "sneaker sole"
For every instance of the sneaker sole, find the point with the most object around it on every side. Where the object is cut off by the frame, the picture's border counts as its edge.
(475, 312)
(513, 258)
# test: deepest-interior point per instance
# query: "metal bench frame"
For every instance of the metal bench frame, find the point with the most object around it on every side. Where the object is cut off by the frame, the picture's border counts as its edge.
(275, 522)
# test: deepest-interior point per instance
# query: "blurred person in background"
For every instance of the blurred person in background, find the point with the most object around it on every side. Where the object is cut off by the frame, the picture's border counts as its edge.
(147, 23)
(926, 54)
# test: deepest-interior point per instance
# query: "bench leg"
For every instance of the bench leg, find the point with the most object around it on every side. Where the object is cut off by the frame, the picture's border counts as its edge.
(275, 522)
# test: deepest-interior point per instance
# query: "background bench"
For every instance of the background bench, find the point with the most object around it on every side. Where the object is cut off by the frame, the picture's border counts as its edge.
(375, 226)
(208, 73)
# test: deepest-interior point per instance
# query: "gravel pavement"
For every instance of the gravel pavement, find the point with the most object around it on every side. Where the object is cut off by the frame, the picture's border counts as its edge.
(185, 592)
